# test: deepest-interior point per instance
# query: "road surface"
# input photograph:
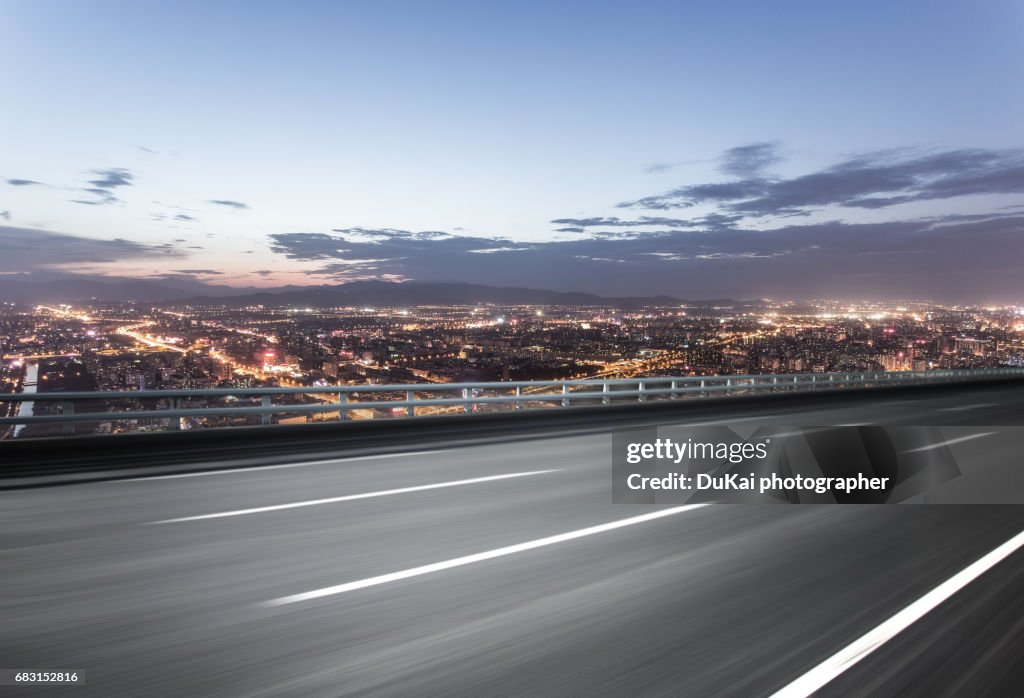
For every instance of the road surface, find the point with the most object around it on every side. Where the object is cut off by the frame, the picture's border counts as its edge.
(503, 568)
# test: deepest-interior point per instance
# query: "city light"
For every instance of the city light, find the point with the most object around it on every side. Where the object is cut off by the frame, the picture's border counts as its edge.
(123, 347)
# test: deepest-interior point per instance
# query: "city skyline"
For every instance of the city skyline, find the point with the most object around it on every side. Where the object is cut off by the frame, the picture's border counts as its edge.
(113, 349)
(691, 152)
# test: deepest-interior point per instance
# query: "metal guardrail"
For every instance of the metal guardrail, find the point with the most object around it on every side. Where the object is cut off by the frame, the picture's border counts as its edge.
(420, 399)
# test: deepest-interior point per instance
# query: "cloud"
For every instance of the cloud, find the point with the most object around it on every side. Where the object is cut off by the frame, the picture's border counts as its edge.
(229, 203)
(27, 249)
(613, 222)
(172, 214)
(112, 178)
(104, 184)
(874, 181)
(943, 257)
(748, 160)
(197, 271)
(24, 182)
(6, 215)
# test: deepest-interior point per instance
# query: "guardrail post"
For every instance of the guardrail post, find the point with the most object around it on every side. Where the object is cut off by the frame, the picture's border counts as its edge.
(775, 383)
(67, 408)
(565, 391)
(410, 411)
(175, 422)
(342, 409)
(468, 406)
(728, 387)
(518, 404)
(640, 388)
(605, 389)
(674, 385)
(702, 393)
(265, 417)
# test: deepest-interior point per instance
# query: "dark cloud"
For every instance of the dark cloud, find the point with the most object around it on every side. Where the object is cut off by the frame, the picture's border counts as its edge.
(184, 217)
(112, 178)
(23, 182)
(197, 271)
(875, 181)
(264, 272)
(104, 184)
(748, 160)
(229, 203)
(711, 221)
(613, 222)
(27, 249)
(976, 257)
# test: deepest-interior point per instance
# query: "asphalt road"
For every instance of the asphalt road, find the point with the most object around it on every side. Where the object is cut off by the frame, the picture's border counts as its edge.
(503, 568)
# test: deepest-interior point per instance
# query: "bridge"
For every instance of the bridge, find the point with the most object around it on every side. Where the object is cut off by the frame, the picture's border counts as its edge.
(481, 554)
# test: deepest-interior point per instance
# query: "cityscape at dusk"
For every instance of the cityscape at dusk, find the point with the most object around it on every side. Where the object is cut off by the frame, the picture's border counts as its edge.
(318, 216)
(130, 346)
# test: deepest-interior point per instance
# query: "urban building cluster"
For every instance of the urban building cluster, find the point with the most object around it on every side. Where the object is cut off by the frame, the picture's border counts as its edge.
(131, 347)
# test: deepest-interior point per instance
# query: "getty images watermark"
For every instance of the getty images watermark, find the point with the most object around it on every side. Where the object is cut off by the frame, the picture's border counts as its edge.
(821, 464)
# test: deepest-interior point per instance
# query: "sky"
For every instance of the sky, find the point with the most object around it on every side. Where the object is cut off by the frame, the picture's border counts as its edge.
(701, 150)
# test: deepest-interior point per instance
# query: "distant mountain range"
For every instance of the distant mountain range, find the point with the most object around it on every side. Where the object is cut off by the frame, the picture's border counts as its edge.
(388, 294)
(357, 293)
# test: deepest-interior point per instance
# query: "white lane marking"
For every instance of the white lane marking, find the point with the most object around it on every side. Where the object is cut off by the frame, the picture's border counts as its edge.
(873, 639)
(950, 442)
(303, 464)
(964, 408)
(480, 557)
(352, 497)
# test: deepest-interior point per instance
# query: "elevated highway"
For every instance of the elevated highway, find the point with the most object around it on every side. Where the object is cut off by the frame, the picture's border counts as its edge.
(482, 555)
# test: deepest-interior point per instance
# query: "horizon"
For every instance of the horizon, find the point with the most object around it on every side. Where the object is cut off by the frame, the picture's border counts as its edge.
(174, 296)
(690, 152)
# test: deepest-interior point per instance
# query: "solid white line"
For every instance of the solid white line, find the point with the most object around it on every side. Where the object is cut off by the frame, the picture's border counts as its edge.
(868, 643)
(303, 464)
(950, 442)
(480, 557)
(352, 497)
(963, 408)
